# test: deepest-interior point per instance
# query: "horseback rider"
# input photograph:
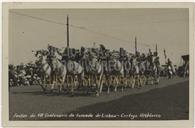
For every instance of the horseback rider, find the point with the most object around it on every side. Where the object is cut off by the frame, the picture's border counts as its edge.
(51, 56)
(51, 51)
(170, 68)
(169, 62)
(157, 61)
(150, 52)
(150, 59)
(65, 55)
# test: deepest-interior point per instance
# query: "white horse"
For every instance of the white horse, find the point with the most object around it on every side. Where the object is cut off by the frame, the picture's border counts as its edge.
(135, 73)
(45, 68)
(98, 74)
(142, 72)
(127, 72)
(116, 74)
(156, 70)
(59, 73)
(170, 71)
(72, 71)
(75, 74)
(93, 71)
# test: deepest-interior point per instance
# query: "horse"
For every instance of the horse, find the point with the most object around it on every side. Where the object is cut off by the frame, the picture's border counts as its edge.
(170, 71)
(135, 71)
(44, 69)
(151, 70)
(58, 73)
(115, 73)
(156, 70)
(93, 71)
(142, 72)
(58, 69)
(75, 74)
(127, 72)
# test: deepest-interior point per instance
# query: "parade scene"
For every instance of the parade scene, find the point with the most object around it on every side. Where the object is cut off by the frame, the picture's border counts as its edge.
(98, 81)
(93, 68)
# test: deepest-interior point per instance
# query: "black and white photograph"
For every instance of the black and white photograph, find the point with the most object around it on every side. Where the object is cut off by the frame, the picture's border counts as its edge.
(98, 64)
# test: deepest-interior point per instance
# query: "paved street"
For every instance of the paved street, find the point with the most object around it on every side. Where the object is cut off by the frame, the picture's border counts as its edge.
(169, 99)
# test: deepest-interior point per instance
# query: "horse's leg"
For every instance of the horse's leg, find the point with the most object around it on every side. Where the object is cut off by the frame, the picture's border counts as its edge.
(80, 81)
(122, 84)
(158, 79)
(76, 81)
(108, 84)
(115, 82)
(131, 82)
(69, 86)
(97, 91)
(135, 81)
(72, 85)
(63, 82)
(97, 85)
(42, 85)
(58, 84)
(127, 82)
(95, 80)
(85, 81)
(52, 83)
(101, 82)
(55, 81)
(142, 80)
(138, 81)
(45, 82)
(89, 83)
(149, 79)
(152, 80)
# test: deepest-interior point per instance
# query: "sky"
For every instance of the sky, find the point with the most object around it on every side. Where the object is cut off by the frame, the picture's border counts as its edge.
(34, 29)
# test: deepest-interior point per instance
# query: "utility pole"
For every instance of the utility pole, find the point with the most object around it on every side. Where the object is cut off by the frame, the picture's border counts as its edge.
(165, 55)
(135, 45)
(67, 35)
(156, 49)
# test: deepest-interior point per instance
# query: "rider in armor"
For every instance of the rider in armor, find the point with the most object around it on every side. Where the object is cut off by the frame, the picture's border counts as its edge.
(65, 55)
(156, 59)
(169, 62)
(51, 51)
(150, 59)
(51, 55)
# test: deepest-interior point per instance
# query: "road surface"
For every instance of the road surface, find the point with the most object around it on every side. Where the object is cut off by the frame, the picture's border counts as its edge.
(167, 101)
